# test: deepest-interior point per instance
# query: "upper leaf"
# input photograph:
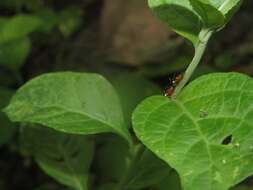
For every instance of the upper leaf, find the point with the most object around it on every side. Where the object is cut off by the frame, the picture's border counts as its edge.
(189, 17)
(64, 157)
(212, 18)
(179, 15)
(206, 134)
(69, 102)
(225, 7)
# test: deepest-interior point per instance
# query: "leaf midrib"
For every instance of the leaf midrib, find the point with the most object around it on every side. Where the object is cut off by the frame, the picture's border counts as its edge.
(221, 8)
(198, 129)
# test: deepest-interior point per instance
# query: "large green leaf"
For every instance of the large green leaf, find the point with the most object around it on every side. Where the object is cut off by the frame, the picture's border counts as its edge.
(77, 103)
(189, 17)
(193, 133)
(6, 127)
(64, 157)
(179, 15)
(18, 27)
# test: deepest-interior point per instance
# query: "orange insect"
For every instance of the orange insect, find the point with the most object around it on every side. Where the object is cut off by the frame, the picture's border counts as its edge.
(173, 82)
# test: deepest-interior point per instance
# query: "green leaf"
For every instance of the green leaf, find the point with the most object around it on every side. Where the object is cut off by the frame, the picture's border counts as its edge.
(179, 15)
(139, 87)
(78, 103)
(225, 6)
(150, 170)
(189, 17)
(192, 134)
(6, 127)
(14, 53)
(64, 157)
(18, 27)
(212, 18)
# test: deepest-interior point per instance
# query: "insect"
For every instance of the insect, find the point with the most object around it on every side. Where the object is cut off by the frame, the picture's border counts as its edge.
(173, 82)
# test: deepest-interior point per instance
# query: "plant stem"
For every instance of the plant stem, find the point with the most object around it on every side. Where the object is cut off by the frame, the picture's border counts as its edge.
(138, 153)
(199, 51)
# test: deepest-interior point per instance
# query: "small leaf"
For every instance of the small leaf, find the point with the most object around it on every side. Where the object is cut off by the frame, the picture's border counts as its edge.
(14, 53)
(77, 103)
(179, 15)
(188, 133)
(64, 157)
(18, 27)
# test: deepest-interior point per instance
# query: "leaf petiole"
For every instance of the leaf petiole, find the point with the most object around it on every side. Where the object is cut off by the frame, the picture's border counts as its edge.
(200, 48)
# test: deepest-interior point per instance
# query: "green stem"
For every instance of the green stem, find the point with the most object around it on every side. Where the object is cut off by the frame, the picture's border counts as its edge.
(124, 181)
(199, 51)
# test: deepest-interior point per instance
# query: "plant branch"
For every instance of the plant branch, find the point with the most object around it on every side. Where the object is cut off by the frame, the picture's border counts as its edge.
(199, 52)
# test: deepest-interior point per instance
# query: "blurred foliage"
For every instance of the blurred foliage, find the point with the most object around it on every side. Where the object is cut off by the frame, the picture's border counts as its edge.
(121, 40)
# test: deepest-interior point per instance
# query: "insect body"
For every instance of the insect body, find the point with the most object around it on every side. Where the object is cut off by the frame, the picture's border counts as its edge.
(173, 82)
